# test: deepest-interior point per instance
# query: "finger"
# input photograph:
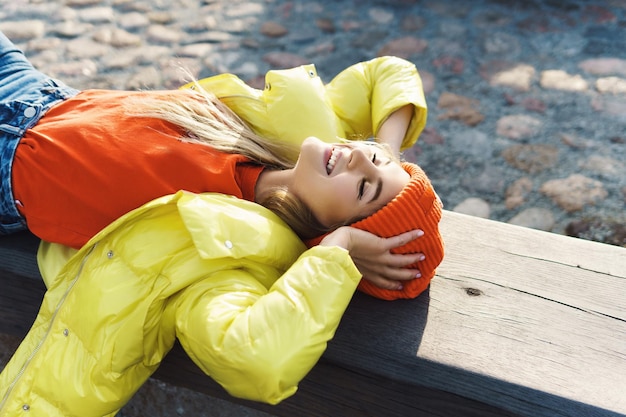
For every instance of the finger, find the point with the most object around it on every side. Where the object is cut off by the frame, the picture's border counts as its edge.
(404, 259)
(400, 274)
(403, 238)
(405, 274)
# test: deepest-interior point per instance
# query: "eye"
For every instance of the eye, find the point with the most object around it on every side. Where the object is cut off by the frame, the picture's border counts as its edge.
(361, 188)
(374, 159)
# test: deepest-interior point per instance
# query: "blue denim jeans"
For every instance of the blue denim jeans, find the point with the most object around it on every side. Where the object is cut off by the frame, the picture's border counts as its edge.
(25, 96)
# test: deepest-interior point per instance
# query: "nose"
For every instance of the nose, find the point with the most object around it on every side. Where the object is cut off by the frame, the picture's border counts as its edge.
(359, 159)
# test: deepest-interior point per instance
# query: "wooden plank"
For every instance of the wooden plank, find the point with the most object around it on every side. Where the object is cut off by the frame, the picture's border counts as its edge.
(517, 322)
(550, 315)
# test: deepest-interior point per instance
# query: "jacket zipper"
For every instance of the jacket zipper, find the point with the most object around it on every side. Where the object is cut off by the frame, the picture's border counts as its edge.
(45, 336)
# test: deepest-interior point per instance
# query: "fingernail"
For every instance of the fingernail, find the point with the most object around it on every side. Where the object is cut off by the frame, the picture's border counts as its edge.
(421, 257)
(418, 275)
(399, 287)
(420, 232)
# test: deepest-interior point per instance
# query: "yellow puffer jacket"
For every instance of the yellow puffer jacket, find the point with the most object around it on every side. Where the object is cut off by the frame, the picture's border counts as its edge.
(226, 277)
(252, 307)
(295, 104)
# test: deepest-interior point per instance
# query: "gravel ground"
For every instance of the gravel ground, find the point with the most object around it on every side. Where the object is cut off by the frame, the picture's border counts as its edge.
(527, 98)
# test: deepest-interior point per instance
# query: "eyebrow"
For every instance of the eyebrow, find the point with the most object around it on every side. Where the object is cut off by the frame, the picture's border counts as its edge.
(379, 188)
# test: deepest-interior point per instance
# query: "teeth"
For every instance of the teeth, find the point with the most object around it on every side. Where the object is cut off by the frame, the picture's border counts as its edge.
(331, 162)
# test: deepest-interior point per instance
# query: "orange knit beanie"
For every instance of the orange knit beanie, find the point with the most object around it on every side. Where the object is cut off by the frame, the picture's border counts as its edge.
(416, 207)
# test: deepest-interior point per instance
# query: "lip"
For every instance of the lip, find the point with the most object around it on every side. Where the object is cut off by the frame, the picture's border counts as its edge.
(327, 156)
(336, 152)
(327, 153)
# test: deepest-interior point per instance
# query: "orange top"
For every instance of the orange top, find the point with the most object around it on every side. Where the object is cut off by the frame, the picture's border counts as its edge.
(87, 162)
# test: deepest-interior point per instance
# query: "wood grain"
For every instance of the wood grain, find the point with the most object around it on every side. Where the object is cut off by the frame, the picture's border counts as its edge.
(517, 322)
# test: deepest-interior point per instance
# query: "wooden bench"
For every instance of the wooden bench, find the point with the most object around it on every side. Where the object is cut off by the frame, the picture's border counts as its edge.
(518, 322)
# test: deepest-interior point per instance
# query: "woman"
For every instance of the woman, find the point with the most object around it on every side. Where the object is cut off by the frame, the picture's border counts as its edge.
(117, 157)
(225, 276)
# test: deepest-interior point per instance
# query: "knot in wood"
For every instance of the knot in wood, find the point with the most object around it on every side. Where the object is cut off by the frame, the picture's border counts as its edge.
(473, 292)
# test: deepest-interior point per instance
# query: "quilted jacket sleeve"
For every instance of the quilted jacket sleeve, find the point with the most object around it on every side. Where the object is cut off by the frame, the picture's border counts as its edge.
(365, 94)
(258, 343)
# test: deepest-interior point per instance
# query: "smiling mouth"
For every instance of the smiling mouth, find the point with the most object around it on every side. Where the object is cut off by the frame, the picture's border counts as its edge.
(330, 165)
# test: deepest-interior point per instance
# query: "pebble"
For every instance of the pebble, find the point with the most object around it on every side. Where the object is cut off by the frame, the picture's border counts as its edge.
(561, 80)
(604, 66)
(518, 76)
(574, 192)
(518, 126)
(527, 110)
(517, 193)
(613, 85)
(474, 206)
(604, 165)
(534, 217)
(532, 158)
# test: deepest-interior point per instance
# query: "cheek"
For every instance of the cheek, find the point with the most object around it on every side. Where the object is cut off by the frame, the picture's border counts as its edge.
(332, 205)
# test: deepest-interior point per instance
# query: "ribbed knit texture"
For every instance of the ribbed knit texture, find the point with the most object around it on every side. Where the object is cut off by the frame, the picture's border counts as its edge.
(416, 207)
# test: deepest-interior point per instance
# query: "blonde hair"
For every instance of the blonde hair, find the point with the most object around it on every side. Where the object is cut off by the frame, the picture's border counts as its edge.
(204, 119)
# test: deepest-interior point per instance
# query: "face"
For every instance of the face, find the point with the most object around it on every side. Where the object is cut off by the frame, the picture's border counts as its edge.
(343, 182)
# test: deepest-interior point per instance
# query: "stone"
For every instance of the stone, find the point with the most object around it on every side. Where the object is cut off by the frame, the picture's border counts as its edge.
(613, 85)
(428, 81)
(403, 47)
(133, 20)
(449, 64)
(196, 50)
(515, 75)
(461, 108)
(242, 9)
(517, 192)
(534, 217)
(117, 38)
(80, 48)
(603, 165)
(160, 17)
(84, 68)
(71, 29)
(45, 44)
(162, 34)
(145, 78)
(284, 60)
(574, 192)
(575, 141)
(604, 66)
(273, 29)
(431, 136)
(320, 49)
(326, 25)
(561, 80)
(532, 158)
(23, 30)
(380, 16)
(97, 15)
(610, 231)
(474, 207)
(518, 126)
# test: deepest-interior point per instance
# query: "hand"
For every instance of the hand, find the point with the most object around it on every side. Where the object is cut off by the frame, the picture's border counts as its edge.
(373, 258)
